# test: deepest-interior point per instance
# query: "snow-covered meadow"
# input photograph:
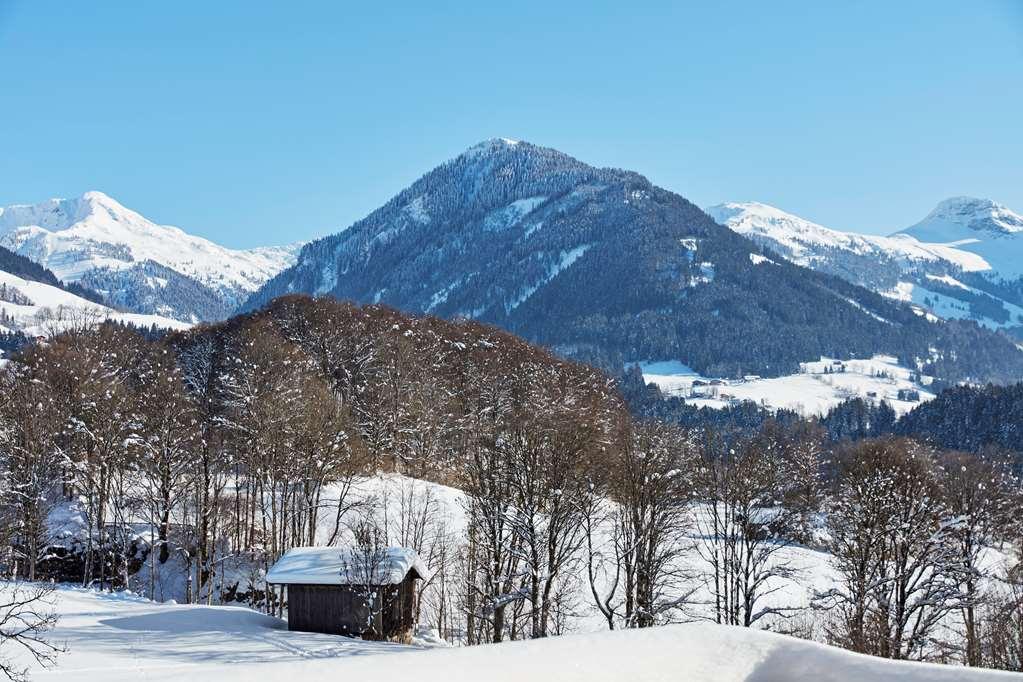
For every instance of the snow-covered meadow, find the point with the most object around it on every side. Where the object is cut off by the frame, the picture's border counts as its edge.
(819, 385)
(114, 637)
(47, 310)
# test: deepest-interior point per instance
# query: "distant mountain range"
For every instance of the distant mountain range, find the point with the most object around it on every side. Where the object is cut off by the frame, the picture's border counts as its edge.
(601, 265)
(135, 264)
(598, 264)
(963, 261)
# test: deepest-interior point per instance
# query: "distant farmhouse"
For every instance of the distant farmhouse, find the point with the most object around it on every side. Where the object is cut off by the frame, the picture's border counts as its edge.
(365, 593)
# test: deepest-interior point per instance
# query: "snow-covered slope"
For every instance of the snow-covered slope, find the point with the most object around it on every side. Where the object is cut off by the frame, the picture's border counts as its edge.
(807, 243)
(113, 637)
(95, 240)
(818, 387)
(39, 309)
(981, 227)
(964, 261)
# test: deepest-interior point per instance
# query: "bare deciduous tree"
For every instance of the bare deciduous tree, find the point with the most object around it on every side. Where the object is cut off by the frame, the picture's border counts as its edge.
(26, 616)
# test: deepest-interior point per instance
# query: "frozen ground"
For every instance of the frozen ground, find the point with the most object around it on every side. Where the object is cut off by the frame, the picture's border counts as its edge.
(118, 637)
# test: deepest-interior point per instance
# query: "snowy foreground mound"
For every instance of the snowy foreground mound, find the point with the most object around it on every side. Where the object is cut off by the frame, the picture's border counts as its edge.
(119, 637)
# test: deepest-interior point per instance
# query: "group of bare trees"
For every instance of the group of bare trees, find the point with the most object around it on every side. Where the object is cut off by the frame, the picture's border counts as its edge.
(188, 462)
(186, 459)
(925, 545)
(537, 438)
(637, 518)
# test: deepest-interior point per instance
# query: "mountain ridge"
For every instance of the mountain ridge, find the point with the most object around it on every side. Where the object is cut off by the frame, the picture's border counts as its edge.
(601, 265)
(95, 240)
(971, 272)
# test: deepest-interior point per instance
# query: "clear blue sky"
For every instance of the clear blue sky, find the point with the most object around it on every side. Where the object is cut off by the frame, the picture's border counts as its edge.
(255, 123)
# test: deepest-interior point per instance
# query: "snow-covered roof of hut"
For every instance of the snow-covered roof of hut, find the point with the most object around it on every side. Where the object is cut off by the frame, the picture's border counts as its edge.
(337, 566)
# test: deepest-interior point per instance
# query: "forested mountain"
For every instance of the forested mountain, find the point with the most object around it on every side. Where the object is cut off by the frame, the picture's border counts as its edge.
(135, 263)
(963, 261)
(601, 265)
(152, 288)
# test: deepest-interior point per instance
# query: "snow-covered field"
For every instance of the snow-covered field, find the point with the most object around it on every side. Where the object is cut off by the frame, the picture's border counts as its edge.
(123, 636)
(51, 309)
(819, 386)
(113, 637)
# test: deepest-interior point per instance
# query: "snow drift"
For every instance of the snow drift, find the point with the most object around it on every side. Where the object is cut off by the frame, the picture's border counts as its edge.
(113, 637)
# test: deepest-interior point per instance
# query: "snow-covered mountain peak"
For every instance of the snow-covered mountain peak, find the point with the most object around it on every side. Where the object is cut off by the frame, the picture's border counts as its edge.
(924, 264)
(94, 230)
(753, 216)
(731, 209)
(798, 238)
(86, 238)
(978, 215)
(807, 243)
(62, 214)
(493, 144)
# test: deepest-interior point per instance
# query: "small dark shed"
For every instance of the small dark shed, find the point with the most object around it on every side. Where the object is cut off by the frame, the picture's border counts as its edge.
(367, 593)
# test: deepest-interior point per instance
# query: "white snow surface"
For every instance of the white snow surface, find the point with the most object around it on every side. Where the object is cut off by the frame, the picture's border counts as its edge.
(333, 566)
(121, 637)
(819, 386)
(53, 309)
(73, 236)
(803, 240)
(950, 308)
(977, 226)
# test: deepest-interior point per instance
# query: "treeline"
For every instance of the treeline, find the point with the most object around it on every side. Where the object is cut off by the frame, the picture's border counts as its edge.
(210, 453)
(967, 418)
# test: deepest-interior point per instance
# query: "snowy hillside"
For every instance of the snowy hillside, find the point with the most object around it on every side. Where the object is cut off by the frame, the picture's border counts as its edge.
(964, 261)
(95, 240)
(981, 227)
(807, 243)
(817, 388)
(39, 309)
(114, 637)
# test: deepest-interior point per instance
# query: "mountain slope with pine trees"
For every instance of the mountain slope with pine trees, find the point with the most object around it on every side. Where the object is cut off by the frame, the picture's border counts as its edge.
(602, 265)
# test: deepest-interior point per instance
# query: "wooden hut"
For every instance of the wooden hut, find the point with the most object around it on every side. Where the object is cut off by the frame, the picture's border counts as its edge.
(366, 593)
